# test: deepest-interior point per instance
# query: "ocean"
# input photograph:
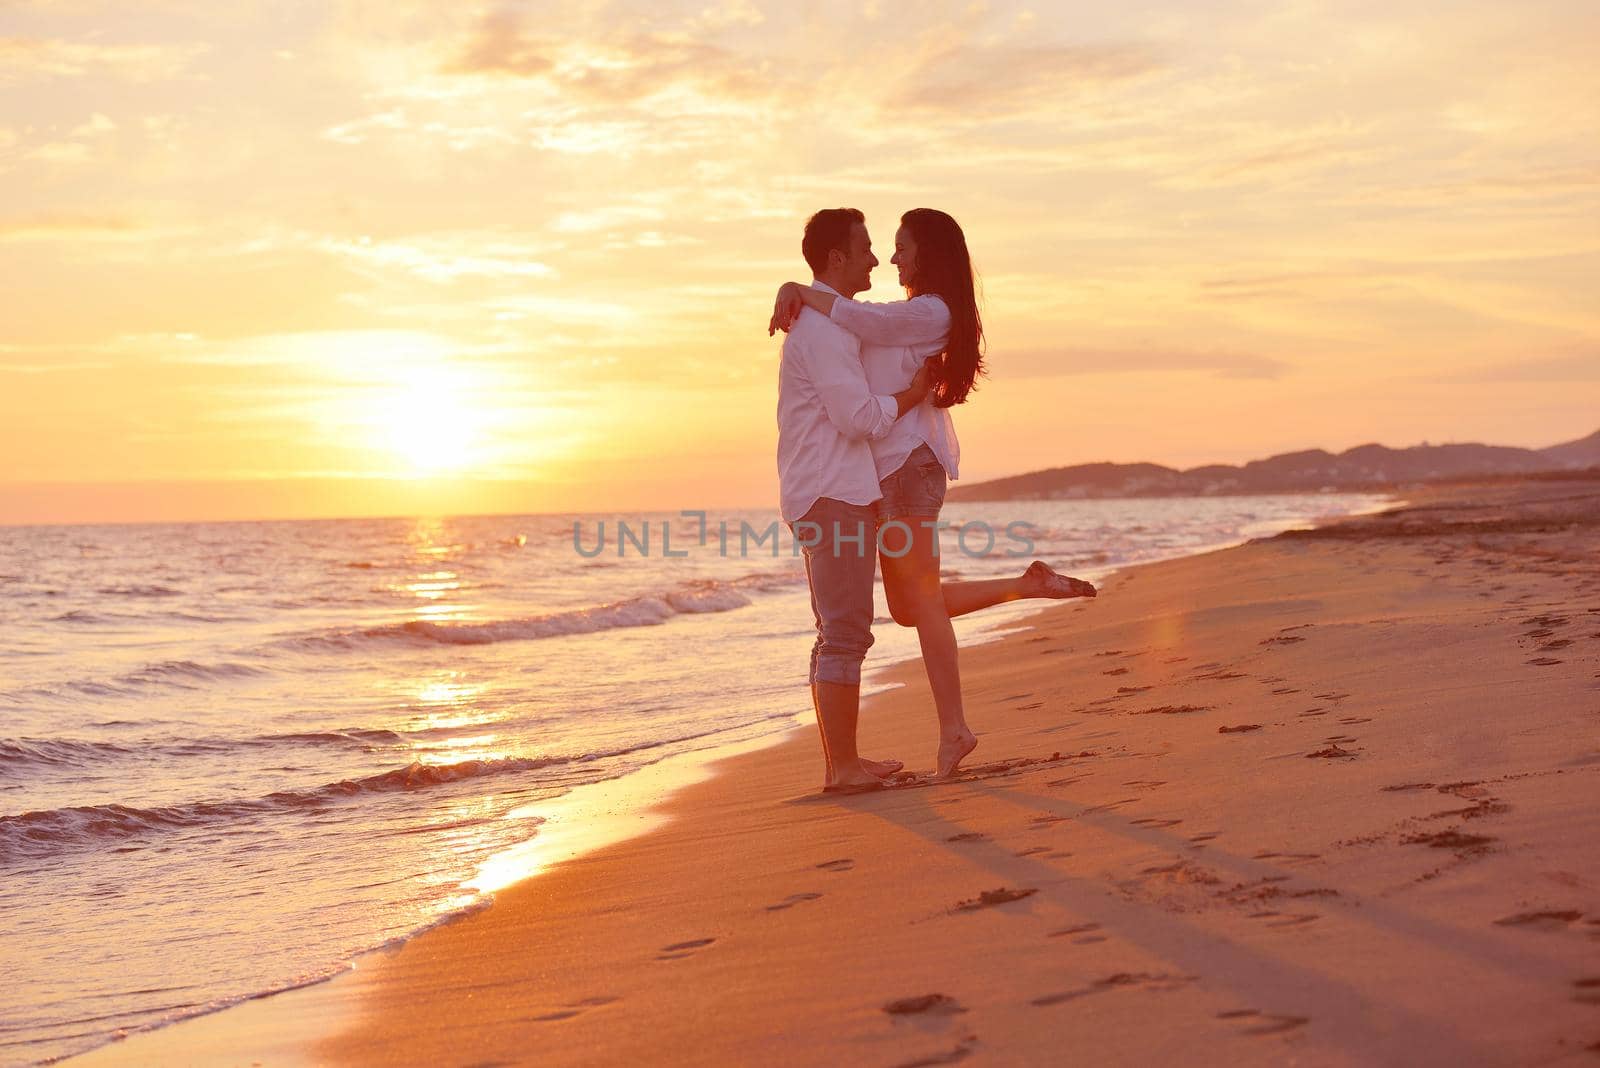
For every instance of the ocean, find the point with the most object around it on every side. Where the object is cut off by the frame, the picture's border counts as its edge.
(236, 756)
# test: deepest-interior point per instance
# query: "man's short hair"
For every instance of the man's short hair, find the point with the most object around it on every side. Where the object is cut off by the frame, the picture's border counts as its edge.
(827, 230)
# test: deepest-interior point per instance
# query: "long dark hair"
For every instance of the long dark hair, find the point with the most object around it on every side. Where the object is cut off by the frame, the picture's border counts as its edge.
(944, 267)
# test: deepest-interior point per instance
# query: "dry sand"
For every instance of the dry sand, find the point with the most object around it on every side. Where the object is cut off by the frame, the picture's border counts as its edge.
(1324, 799)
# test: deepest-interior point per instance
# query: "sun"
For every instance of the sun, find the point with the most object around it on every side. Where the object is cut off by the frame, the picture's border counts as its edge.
(430, 425)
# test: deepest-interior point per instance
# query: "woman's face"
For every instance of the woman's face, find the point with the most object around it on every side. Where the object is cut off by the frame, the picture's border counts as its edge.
(905, 255)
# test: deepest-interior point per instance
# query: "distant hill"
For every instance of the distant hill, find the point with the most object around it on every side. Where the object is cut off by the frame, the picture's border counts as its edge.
(1364, 467)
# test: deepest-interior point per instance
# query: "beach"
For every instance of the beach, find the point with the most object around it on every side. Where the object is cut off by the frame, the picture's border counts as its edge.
(1325, 798)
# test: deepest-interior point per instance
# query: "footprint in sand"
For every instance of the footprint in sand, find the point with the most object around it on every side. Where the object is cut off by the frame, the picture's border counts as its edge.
(925, 1005)
(1587, 991)
(842, 864)
(1285, 689)
(1082, 934)
(1107, 807)
(990, 898)
(1542, 921)
(1294, 919)
(1032, 851)
(792, 900)
(968, 836)
(679, 950)
(1142, 980)
(1543, 661)
(1115, 671)
(1451, 839)
(571, 1010)
(1308, 713)
(1030, 708)
(959, 1052)
(1263, 1023)
(1171, 710)
(1206, 837)
(1147, 822)
(1240, 729)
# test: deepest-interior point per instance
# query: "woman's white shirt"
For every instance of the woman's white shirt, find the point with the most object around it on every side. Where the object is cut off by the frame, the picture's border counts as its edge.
(896, 338)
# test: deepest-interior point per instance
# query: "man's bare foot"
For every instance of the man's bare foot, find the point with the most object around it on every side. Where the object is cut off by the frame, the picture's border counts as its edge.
(856, 788)
(952, 751)
(854, 782)
(1041, 580)
(881, 768)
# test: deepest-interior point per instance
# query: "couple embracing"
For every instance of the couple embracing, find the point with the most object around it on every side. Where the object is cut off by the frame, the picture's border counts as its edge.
(865, 447)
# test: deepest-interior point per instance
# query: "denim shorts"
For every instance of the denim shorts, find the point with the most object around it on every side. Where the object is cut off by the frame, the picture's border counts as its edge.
(916, 490)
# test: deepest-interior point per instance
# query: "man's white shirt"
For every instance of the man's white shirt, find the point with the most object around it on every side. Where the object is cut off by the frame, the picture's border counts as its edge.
(827, 415)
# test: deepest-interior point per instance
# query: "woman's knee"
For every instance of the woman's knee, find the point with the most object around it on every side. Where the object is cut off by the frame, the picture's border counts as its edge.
(917, 605)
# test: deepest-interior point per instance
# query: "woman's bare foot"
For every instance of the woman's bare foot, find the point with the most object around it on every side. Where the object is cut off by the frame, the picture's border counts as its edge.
(881, 768)
(952, 751)
(1041, 580)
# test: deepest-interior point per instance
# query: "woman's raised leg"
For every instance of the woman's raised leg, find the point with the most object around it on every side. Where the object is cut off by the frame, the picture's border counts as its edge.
(1039, 580)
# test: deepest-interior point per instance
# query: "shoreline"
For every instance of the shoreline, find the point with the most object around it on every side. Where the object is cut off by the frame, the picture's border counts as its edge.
(657, 785)
(319, 1016)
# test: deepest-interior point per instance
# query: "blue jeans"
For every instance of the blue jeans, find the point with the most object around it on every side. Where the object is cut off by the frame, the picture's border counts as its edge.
(841, 549)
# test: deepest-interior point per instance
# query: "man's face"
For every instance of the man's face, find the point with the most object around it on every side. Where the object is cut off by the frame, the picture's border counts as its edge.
(856, 272)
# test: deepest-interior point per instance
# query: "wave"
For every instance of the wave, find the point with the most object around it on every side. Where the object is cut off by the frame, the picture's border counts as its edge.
(139, 591)
(21, 753)
(78, 615)
(34, 835)
(177, 674)
(695, 598)
(44, 833)
(348, 736)
(55, 751)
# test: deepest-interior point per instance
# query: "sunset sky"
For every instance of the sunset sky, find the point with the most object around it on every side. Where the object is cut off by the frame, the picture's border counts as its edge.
(354, 257)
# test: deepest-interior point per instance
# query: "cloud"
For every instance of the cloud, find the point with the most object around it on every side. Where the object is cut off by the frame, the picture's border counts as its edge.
(443, 259)
(1574, 367)
(1083, 361)
(621, 70)
(498, 46)
(609, 217)
(980, 83)
(22, 58)
(62, 226)
(1536, 183)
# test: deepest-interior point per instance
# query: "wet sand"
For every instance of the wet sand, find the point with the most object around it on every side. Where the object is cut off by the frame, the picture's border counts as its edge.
(1329, 798)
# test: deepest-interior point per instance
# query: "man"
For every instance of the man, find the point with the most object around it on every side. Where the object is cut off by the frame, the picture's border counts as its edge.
(828, 485)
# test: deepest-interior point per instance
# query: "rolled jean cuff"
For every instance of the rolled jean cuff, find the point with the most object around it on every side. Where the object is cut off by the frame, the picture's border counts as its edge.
(840, 668)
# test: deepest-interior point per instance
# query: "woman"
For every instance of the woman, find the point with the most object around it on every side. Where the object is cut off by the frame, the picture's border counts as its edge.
(939, 323)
